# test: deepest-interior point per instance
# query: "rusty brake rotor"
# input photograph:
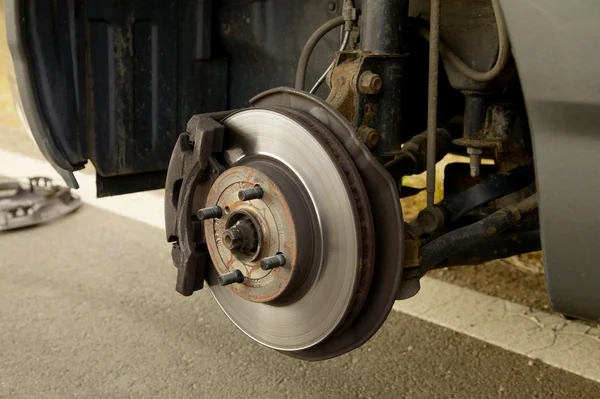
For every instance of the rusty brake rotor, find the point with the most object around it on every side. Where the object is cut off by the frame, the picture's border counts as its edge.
(387, 216)
(303, 201)
(302, 224)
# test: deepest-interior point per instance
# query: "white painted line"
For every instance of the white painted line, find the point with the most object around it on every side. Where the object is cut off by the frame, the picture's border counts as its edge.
(570, 346)
(143, 207)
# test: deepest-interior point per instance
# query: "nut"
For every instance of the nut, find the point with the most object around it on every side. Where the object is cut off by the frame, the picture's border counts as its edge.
(368, 135)
(474, 151)
(474, 160)
(369, 83)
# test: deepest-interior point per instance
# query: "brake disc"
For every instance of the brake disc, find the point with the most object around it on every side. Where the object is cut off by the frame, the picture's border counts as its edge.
(313, 211)
(303, 226)
(387, 217)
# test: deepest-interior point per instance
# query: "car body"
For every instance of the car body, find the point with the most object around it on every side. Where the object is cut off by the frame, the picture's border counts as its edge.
(115, 84)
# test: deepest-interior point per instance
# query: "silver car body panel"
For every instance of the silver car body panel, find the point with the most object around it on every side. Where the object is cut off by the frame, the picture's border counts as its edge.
(556, 44)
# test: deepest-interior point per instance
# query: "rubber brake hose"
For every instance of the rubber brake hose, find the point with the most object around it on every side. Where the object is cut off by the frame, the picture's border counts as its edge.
(503, 50)
(310, 46)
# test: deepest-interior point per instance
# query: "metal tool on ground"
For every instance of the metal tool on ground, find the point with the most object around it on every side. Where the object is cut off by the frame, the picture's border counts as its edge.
(35, 202)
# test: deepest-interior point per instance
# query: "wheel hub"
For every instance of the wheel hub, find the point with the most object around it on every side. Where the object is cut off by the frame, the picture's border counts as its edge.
(257, 228)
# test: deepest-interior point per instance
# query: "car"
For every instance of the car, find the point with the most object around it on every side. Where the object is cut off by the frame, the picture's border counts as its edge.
(282, 133)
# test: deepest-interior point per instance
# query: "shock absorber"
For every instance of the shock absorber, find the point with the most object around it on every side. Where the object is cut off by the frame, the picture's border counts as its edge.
(381, 108)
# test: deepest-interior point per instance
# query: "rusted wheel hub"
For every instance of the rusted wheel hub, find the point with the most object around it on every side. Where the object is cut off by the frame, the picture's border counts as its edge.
(261, 228)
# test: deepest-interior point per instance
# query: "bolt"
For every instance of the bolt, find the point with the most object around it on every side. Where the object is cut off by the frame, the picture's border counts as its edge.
(474, 160)
(272, 262)
(212, 212)
(331, 6)
(250, 193)
(231, 278)
(369, 83)
(368, 135)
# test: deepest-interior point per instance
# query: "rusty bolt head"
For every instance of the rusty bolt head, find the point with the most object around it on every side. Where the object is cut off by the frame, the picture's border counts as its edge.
(368, 135)
(369, 83)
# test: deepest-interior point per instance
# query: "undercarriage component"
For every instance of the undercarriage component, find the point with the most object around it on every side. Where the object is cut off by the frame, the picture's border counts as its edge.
(349, 15)
(310, 46)
(518, 240)
(474, 45)
(473, 244)
(453, 242)
(363, 86)
(452, 208)
(496, 130)
(503, 50)
(39, 202)
(191, 163)
(412, 158)
(295, 246)
(367, 85)
(320, 222)
(432, 98)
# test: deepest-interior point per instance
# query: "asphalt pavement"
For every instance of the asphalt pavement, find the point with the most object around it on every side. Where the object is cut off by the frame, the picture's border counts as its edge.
(88, 309)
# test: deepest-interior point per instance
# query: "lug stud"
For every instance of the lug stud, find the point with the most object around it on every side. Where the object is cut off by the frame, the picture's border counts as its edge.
(250, 193)
(212, 212)
(272, 262)
(231, 278)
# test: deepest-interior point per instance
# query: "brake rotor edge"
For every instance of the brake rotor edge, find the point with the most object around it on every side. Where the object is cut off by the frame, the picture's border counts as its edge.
(387, 217)
(356, 192)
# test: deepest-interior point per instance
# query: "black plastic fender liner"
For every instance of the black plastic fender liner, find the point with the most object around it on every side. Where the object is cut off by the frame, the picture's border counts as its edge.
(387, 216)
(26, 78)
